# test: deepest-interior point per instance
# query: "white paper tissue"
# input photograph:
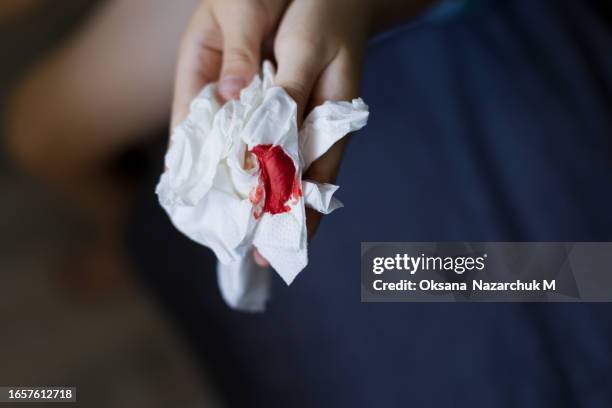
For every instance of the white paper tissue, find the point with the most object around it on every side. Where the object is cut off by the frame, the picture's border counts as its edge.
(233, 180)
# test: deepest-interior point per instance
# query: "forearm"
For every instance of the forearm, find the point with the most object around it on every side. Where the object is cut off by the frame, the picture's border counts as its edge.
(107, 87)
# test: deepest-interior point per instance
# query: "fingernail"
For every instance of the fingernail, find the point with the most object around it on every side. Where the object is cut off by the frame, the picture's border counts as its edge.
(230, 87)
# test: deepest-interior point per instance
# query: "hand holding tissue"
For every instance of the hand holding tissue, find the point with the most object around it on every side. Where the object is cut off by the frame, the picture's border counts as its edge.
(233, 180)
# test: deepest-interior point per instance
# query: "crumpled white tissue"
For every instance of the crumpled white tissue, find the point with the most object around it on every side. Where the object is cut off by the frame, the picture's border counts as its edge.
(233, 180)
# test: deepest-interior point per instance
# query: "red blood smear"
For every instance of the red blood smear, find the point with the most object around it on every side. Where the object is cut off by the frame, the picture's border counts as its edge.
(277, 178)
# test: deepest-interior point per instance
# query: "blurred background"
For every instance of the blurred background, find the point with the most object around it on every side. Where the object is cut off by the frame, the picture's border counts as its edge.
(57, 326)
(504, 109)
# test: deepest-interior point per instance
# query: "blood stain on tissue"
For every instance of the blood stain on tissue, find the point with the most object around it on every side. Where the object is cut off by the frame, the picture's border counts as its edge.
(278, 181)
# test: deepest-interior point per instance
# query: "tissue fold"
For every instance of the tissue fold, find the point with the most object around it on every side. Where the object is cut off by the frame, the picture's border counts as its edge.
(233, 180)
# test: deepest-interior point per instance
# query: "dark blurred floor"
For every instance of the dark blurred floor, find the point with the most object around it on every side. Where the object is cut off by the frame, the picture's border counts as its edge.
(117, 348)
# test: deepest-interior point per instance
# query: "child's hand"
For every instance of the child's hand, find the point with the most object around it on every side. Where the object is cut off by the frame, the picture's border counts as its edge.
(317, 46)
(314, 42)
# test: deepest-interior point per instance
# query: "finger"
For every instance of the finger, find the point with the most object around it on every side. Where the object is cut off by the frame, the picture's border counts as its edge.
(340, 79)
(199, 62)
(302, 49)
(297, 73)
(244, 26)
(338, 82)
